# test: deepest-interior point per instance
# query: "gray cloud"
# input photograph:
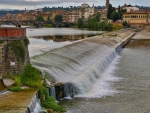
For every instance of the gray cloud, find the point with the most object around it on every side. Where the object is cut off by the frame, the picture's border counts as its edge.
(38, 3)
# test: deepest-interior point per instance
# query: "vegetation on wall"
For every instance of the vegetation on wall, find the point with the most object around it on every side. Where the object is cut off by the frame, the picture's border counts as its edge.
(18, 48)
(26, 41)
(1, 41)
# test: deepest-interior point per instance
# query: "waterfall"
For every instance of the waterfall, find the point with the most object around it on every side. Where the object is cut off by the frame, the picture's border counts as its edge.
(78, 65)
(52, 92)
(34, 106)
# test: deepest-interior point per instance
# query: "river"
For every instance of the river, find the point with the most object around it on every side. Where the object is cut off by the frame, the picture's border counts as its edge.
(119, 83)
(133, 88)
(123, 87)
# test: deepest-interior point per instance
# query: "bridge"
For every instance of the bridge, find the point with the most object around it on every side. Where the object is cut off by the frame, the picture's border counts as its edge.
(36, 23)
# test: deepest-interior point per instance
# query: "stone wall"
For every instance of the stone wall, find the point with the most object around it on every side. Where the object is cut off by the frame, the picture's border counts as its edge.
(10, 63)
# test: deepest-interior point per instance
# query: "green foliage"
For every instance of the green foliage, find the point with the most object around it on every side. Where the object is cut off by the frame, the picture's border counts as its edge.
(58, 18)
(124, 23)
(40, 18)
(31, 77)
(26, 41)
(80, 23)
(17, 81)
(105, 26)
(110, 11)
(14, 89)
(51, 99)
(97, 16)
(43, 90)
(121, 11)
(115, 16)
(18, 48)
(50, 103)
(48, 25)
(1, 41)
(92, 23)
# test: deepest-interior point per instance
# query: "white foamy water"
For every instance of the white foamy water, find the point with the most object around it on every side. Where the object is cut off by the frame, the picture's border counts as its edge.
(104, 85)
(82, 64)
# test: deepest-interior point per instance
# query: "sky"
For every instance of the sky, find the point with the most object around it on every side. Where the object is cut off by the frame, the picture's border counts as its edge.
(34, 4)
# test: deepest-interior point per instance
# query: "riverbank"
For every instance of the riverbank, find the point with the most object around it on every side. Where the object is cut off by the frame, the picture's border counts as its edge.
(16, 102)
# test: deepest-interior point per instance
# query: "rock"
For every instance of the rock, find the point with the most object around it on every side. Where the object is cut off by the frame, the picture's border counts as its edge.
(50, 111)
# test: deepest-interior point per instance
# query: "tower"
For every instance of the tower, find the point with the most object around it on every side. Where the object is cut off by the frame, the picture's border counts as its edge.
(107, 4)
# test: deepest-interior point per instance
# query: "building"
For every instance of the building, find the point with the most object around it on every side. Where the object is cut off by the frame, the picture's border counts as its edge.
(86, 11)
(137, 17)
(107, 4)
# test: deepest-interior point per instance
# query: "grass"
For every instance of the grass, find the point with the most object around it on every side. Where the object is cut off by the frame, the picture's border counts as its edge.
(31, 77)
(14, 88)
(50, 103)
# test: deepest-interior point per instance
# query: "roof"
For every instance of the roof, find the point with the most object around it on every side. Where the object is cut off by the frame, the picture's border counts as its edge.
(137, 12)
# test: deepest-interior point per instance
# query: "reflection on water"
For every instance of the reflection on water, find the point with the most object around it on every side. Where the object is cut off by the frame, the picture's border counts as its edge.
(62, 38)
(138, 43)
(2, 86)
(44, 39)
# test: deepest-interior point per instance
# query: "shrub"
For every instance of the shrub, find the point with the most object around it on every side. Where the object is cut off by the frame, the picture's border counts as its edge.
(50, 103)
(14, 89)
(31, 77)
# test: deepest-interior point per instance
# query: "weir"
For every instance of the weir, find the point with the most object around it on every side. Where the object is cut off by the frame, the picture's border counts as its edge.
(80, 65)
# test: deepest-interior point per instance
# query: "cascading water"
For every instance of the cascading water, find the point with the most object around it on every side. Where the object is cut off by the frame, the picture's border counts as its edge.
(78, 65)
(34, 106)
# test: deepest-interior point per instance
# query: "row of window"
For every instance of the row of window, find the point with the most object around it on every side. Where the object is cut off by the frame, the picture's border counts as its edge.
(136, 16)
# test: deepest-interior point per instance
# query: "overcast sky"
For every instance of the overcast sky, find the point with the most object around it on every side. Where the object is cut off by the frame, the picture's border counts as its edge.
(33, 4)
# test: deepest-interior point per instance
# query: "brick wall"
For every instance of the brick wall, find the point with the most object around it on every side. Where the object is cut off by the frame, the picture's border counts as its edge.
(12, 33)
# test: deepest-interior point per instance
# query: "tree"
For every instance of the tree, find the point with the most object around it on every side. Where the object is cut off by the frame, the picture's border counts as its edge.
(125, 23)
(97, 16)
(110, 11)
(40, 18)
(115, 16)
(58, 18)
(80, 23)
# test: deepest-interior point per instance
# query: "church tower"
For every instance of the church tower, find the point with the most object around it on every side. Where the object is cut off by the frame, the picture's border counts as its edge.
(107, 4)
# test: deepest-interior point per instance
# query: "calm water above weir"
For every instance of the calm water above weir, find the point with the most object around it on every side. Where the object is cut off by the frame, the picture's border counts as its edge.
(42, 39)
(132, 67)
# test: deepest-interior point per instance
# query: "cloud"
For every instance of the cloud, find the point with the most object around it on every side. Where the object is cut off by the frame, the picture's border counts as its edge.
(40, 3)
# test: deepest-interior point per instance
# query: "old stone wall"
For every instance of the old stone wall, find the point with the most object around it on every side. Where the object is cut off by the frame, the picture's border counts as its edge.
(10, 62)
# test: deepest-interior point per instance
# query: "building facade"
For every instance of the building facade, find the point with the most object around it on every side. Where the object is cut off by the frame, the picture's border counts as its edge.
(137, 17)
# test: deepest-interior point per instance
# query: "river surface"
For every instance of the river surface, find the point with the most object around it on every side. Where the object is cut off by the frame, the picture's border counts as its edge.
(45, 39)
(132, 67)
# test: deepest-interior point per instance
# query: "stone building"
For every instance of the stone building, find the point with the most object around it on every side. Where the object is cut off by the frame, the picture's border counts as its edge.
(14, 53)
(137, 17)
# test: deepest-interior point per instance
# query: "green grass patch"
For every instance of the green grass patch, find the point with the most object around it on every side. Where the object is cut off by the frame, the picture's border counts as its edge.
(50, 103)
(31, 77)
(15, 88)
